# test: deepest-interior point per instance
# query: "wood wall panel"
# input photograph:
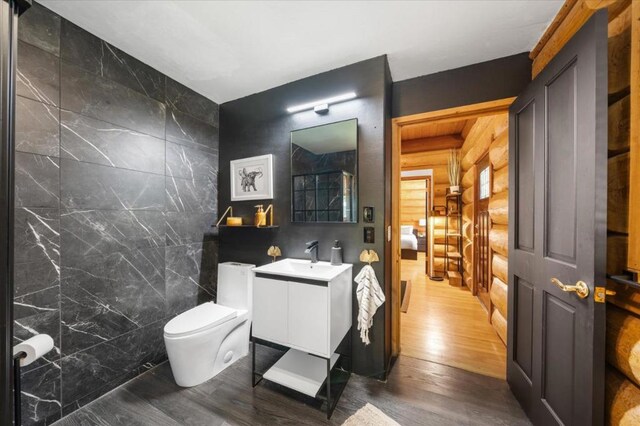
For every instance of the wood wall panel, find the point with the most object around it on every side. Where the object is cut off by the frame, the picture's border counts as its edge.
(440, 190)
(627, 298)
(622, 400)
(438, 237)
(467, 266)
(431, 144)
(623, 342)
(499, 208)
(468, 280)
(438, 249)
(618, 194)
(424, 159)
(467, 196)
(482, 143)
(476, 130)
(467, 179)
(499, 296)
(467, 250)
(467, 230)
(499, 267)
(499, 239)
(500, 325)
(499, 150)
(619, 126)
(616, 253)
(500, 179)
(467, 212)
(619, 61)
(413, 202)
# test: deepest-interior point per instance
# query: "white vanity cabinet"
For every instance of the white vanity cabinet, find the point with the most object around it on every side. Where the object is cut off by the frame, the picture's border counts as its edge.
(308, 314)
(270, 304)
(306, 307)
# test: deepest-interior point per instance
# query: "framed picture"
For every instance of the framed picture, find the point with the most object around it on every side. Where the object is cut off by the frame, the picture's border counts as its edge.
(252, 178)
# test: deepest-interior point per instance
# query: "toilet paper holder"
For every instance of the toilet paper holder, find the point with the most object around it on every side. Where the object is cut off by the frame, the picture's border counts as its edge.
(24, 354)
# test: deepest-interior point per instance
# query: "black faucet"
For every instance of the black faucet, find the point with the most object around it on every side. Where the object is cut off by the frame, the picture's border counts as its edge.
(312, 250)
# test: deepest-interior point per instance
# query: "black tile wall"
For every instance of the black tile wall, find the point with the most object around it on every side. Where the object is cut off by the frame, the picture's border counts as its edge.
(37, 127)
(38, 74)
(105, 99)
(116, 192)
(93, 141)
(100, 58)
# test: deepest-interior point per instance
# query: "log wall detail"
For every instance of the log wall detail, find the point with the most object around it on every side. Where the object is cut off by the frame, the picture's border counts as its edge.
(489, 135)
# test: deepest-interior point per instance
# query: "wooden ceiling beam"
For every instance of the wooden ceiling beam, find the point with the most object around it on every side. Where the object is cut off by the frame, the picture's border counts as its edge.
(570, 18)
(435, 143)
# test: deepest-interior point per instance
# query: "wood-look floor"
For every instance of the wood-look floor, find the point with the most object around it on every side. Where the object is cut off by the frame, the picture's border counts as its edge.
(448, 325)
(416, 393)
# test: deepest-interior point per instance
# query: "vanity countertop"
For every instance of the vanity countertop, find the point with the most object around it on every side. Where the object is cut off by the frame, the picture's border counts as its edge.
(303, 269)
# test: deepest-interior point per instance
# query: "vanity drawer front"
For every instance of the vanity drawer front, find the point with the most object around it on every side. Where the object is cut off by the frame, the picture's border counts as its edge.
(309, 317)
(270, 308)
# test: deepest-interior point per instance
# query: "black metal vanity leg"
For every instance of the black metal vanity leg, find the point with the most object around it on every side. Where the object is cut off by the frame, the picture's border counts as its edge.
(253, 363)
(329, 410)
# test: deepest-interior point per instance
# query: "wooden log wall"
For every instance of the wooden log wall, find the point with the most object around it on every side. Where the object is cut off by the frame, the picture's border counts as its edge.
(498, 236)
(623, 309)
(436, 161)
(489, 135)
(413, 202)
(413, 210)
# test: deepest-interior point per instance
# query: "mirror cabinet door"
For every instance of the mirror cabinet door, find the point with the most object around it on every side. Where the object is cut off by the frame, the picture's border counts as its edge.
(324, 163)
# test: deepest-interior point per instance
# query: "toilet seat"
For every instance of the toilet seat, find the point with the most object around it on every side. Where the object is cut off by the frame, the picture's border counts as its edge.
(200, 318)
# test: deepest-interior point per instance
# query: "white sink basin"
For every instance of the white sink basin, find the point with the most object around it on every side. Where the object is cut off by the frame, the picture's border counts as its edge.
(300, 268)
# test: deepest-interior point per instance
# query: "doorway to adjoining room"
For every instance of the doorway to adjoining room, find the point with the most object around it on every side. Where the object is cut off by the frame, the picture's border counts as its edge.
(452, 206)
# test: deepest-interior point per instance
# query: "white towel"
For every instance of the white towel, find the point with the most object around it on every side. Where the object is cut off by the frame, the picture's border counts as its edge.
(370, 297)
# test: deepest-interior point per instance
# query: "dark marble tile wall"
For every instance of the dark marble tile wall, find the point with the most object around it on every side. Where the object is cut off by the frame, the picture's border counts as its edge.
(116, 192)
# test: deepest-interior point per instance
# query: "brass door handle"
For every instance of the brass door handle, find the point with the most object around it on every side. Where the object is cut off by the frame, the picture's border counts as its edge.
(580, 288)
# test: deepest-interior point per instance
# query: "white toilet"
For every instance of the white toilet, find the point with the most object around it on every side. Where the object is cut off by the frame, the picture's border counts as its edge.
(205, 340)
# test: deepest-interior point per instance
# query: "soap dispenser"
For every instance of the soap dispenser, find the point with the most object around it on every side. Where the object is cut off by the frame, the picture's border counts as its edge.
(336, 254)
(261, 216)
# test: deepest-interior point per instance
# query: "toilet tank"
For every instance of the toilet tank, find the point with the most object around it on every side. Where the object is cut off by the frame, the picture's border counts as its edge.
(235, 285)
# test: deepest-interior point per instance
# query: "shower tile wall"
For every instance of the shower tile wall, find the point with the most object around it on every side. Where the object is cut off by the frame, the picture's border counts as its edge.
(116, 192)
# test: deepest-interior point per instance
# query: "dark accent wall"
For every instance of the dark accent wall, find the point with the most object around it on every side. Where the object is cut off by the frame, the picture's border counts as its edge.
(116, 191)
(259, 124)
(482, 82)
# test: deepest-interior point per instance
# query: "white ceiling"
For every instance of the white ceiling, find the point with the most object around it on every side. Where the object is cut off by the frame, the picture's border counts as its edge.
(230, 49)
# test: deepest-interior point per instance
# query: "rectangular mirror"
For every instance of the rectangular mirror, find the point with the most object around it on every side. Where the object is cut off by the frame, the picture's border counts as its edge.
(324, 173)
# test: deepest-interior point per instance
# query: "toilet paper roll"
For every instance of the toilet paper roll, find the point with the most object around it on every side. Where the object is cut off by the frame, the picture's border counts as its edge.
(35, 347)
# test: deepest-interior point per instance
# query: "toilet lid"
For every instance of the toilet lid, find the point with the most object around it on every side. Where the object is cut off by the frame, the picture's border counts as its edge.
(199, 318)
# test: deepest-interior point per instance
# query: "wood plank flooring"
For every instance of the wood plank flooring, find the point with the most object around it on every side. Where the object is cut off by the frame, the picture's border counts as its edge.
(416, 393)
(448, 325)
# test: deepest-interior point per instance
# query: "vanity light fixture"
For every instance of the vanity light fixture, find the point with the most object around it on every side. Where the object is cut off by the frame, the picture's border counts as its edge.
(322, 105)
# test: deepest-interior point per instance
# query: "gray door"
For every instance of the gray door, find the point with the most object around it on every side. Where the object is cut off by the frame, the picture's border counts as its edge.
(557, 231)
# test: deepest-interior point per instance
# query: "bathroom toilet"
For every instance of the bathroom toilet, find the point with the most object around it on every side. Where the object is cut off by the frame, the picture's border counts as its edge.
(205, 340)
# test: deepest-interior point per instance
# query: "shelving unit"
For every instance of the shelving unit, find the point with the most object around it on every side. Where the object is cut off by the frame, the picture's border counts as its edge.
(434, 273)
(229, 211)
(453, 230)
